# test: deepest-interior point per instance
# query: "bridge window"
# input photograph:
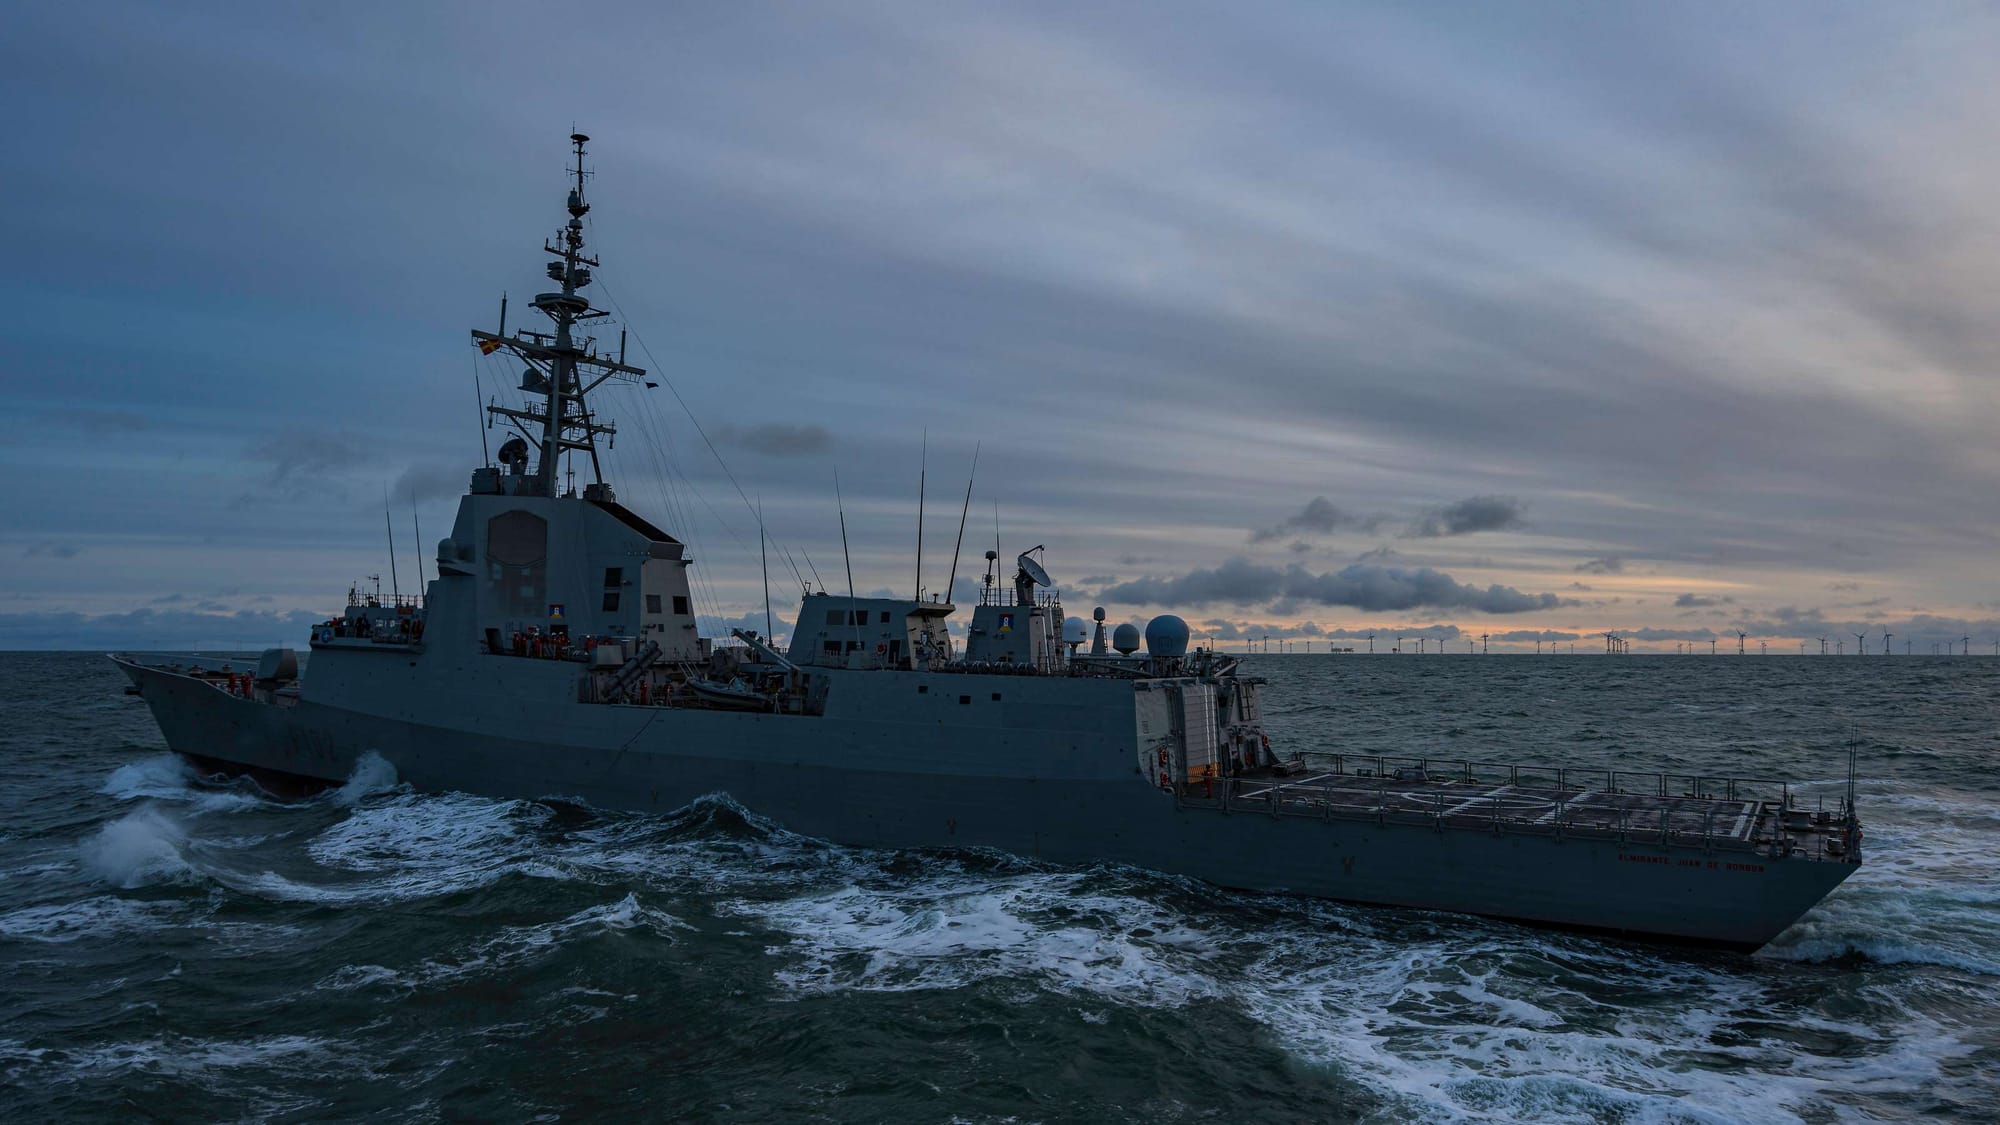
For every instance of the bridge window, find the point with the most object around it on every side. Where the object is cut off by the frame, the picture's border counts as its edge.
(610, 602)
(652, 603)
(681, 604)
(614, 576)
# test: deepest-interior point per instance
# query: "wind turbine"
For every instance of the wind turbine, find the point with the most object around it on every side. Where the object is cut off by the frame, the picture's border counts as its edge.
(1740, 636)
(1885, 641)
(1482, 645)
(1968, 644)
(1822, 646)
(1858, 639)
(1371, 642)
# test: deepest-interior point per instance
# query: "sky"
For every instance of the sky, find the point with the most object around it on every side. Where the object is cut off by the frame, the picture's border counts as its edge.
(1527, 322)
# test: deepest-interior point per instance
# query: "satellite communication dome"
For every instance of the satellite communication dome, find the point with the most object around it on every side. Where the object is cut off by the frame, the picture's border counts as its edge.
(1075, 631)
(1097, 614)
(1125, 639)
(1166, 635)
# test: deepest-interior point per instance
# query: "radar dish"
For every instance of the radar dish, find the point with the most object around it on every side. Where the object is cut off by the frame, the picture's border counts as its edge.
(1034, 570)
(1125, 639)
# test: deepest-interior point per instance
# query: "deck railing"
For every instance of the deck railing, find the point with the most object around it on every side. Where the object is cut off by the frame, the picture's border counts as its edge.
(1320, 796)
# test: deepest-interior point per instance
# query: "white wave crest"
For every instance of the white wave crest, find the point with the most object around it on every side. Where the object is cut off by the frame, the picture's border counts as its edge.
(169, 777)
(142, 848)
(950, 932)
(372, 775)
(158, 775)
(513, 946)
(97, 917)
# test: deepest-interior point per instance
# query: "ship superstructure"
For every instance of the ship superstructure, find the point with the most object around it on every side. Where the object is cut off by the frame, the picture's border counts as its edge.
(557, 653)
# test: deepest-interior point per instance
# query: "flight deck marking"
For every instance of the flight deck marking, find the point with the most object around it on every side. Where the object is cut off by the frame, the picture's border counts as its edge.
(1551, 814)
(1748, 808)
(1471, 801)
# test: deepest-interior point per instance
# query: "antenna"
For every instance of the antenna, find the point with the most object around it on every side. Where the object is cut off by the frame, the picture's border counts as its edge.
(923, 470)
(418, 525)
(479, 408)
(962, 513)
(764, 561)
(842, 506)
(390, 528)
(565, 370)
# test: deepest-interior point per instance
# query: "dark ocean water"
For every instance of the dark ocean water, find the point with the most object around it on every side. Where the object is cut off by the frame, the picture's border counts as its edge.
(181, 949)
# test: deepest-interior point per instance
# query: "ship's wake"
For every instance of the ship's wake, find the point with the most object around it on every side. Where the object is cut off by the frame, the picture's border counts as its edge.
(1414, 1015)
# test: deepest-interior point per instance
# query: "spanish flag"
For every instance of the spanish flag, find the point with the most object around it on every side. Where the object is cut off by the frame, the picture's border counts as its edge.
(488, 347)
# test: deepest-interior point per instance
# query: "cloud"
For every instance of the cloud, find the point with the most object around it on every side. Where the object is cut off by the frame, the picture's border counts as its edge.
(297, 453)
(431, 480)
(1361, 585)
(1475, 513)
(1701, 601)
(1318, 517)
(1650, 634)
(1608, 564)
(52, 550)
(1529, 635)
(211, 627)
(773, 439)
(750, 622)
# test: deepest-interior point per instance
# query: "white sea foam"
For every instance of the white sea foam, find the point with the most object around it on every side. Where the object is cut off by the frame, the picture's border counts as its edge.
(513, 945)
(158, 775)
(142, 848)
(372, 775)
(951, 931)
(174, 1055)
(168, 777)
(96, 917)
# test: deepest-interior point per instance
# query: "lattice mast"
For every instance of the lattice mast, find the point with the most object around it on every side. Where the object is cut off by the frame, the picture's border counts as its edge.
(562, 369)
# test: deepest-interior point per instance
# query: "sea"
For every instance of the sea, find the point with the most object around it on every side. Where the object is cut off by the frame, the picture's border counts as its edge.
(186, 948)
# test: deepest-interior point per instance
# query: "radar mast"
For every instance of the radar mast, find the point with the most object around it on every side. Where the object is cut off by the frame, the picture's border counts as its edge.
(560, 369)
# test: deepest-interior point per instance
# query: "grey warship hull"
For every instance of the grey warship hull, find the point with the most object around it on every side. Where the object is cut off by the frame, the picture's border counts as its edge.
(1064, 794)
(557, 653)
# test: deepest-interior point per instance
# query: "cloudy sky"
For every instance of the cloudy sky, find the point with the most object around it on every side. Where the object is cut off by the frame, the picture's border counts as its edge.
(1315, 320)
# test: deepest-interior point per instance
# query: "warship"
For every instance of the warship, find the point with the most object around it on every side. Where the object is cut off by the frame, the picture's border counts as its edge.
(557, 654)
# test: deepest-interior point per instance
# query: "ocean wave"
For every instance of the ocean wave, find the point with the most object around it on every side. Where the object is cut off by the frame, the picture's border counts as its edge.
(143, 848)
(512, 947)
(172, 1055)
(372, 775)
(95, 917)
(169, 777)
